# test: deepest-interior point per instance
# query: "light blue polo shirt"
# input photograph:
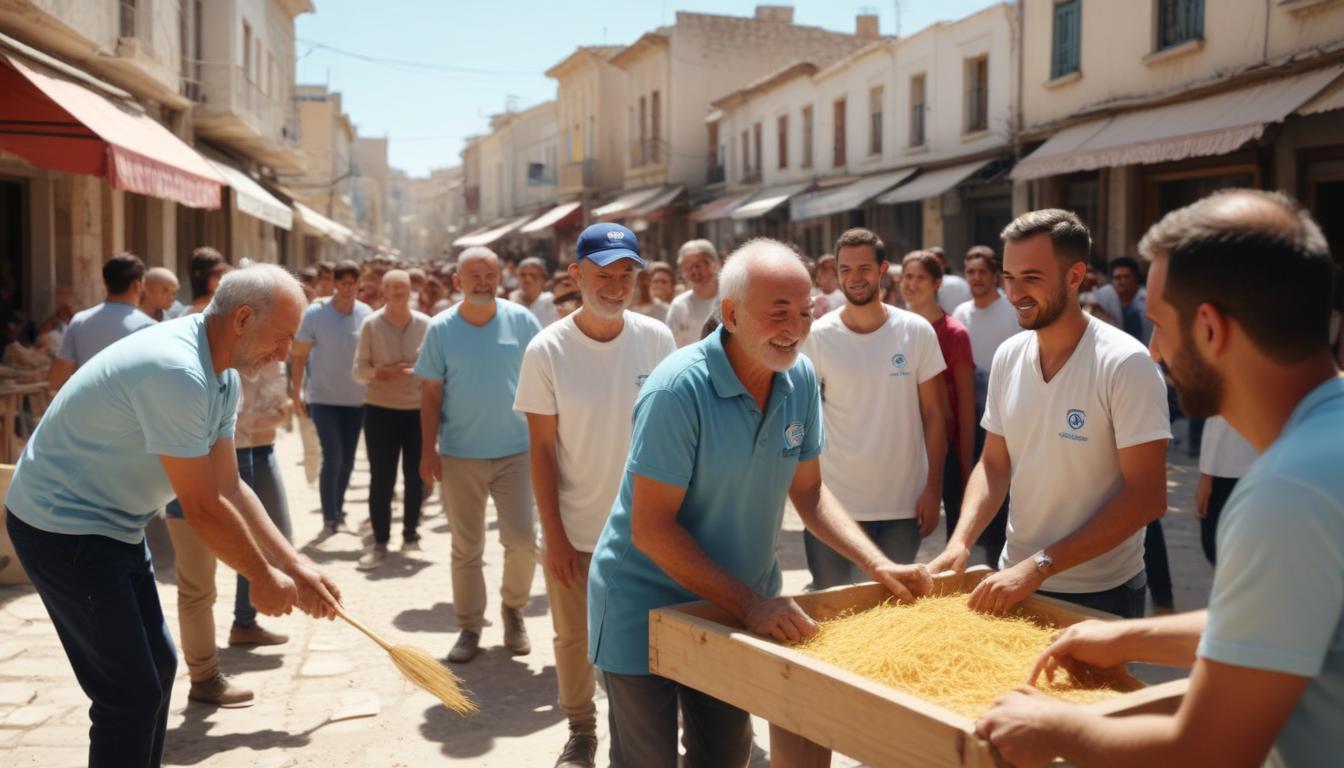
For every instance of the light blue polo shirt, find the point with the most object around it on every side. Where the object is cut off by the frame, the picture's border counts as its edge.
(327, 379)
(696, 427)
(96, 328)
(1278, 589)
(92, 465)
(479, 369)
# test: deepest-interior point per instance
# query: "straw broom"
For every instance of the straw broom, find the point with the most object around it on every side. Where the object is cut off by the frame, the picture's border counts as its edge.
(421, 668)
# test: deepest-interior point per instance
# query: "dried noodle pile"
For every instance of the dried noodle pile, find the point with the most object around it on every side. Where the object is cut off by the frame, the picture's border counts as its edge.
(940, 650)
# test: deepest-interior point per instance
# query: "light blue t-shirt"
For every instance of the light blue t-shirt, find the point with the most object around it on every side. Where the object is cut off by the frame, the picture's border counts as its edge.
(96, 328)
(697, 427)
(92, 465)
(479, 370)
(334, 335)
(1278, 589)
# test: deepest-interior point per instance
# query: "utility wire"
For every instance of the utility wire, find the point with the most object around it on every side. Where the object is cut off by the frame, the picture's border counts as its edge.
(410, 64)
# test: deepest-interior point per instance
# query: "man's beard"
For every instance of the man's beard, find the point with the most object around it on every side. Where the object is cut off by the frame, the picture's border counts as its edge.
(1048, 313)
(480, 299)
(860, 299)
(1199, 386)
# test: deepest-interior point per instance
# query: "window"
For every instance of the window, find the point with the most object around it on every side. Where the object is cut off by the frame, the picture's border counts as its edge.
(247, 50)
(1067, 40)
(782, 139)
(746, 154)
(270, 74)
(576, 144)
(838, 120)
(757, 133)
(1179, 21)
(643, 153)
(977, 94)
(656, 118)
(715, 160)
(127, 18)
(875, 121)
(807, 137)
(917, 109)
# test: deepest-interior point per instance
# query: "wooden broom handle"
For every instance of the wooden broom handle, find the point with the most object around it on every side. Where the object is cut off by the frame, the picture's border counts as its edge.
(371, 634)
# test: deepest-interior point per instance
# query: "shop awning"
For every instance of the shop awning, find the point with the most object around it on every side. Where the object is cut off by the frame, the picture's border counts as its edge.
(489, 236)
(334, 231)
(621, 206)
(56, 123)
(767, 200)
(253, 199)
(718, 208)
(932, 183)
(550, 218)
(659, 205)
(1329, 99)
(846, 198)
(1213, 125)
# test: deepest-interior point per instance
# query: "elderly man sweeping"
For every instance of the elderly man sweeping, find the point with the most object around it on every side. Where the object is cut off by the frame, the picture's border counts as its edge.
(723, 430)
(152, 417)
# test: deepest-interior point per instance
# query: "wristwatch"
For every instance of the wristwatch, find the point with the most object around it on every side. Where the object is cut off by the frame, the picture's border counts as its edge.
(1043, 562)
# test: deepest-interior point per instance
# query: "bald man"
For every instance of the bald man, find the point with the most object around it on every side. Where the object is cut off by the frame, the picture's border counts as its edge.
(160, 296)
(724, 431)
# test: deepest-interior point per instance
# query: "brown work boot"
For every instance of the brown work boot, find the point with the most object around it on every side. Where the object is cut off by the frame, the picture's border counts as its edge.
(515, 633)
(579, 752)
(255, 635)
(467, 646)
(220, 692)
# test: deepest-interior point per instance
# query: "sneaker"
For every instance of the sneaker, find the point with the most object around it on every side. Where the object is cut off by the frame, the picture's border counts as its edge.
(330, 528)
(1163, 609)
(515, 633)
(220, 692)
(411, 545)
(579, 752)
(467, 646)
(255, 635)
(372, 558)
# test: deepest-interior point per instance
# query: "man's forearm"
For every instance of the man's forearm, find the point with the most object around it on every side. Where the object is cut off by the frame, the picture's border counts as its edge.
(935, 446)
(546, 489)
(675, 551)
(1137, 741)
(985, 492)
(222, 529)
(431, 403)
(823, 515)
(277, 551)
(1124, 515)
(1171, 641)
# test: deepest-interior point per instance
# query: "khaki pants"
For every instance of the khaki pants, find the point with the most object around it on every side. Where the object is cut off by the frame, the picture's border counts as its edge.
(195, 565)
(466, 482)
(573, 670)
(312, 449)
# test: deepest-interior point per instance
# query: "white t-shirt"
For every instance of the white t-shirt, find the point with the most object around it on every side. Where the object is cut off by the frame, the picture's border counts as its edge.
(953, 292)
(543, 308)
(687, 315)
(591, 386)
(988, 327)
(1064, 439)
(874, 459)
(1223, 452)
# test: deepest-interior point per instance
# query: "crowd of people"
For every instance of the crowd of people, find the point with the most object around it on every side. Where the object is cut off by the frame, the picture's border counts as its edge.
(654, 433)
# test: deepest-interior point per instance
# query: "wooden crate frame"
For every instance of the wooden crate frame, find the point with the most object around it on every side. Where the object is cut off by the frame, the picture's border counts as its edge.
(702, 646)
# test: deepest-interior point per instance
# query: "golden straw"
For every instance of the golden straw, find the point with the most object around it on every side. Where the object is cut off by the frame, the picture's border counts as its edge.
(424, 670)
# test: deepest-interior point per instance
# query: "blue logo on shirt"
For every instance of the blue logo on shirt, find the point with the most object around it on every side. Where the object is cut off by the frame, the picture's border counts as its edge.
(639, 380)
(1076, 419)
(793, 434)
(898, 362)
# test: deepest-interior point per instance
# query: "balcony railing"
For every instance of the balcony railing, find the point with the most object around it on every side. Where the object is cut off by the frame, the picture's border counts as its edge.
(751, 176)
(579, 175)
(646, 152)
(228, 88)
(716, 174)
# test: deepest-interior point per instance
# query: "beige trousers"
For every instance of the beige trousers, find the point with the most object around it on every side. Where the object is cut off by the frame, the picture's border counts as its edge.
(573, 671)
(312, 450)
(466, 482)
(195, 565)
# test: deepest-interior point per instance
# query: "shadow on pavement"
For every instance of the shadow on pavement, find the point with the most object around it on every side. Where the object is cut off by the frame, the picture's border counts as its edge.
(191, 742)
(236, 661)
(398, 566)
(515, 701)
(440, 618)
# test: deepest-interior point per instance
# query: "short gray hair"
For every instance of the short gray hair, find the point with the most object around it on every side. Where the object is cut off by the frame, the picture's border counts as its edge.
(733, 277)
(255, 286)
(697, 246)
(476, 252)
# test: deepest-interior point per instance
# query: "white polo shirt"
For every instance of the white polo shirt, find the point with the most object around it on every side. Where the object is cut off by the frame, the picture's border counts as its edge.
(687, 315)
(591, 387)
(874, 459)
(1064, 439)
(989, 328)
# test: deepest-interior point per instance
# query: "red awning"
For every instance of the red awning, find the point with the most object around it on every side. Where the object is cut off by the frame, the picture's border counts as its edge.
(61, 125)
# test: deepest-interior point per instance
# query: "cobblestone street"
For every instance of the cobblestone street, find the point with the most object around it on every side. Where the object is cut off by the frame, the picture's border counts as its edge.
(332, 698)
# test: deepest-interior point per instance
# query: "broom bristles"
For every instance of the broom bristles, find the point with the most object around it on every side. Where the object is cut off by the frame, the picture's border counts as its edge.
(425, 671)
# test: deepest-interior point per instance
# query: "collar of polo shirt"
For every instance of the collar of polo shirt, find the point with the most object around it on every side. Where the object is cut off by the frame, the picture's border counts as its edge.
(726, 382)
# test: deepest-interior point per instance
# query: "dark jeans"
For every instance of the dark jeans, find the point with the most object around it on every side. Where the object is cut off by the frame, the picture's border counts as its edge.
(101, 597)
(898, 540)
(390, 433)
(642, 717)
(995, 535)
(1155, 563)
(338, 432)
(1125, 601)
(1208, 525)
(258, 468)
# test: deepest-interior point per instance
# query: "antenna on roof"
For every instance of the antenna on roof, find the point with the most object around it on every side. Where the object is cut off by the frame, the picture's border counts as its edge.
(897, 3)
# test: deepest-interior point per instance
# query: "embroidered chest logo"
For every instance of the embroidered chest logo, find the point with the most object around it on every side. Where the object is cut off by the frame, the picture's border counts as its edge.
(1075, 419)
(793, 435)
(898, 363)
(640, 379)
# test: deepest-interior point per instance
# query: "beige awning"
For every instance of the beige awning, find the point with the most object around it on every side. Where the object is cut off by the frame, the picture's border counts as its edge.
(252, 198)
(623, 205)
(334, 231)
(550, 218)
(718, 208)
(489, 236)
(846, 198)
(1213, 125)
(932, 183)
(767, 200)
(1329, 99)
(657, 207)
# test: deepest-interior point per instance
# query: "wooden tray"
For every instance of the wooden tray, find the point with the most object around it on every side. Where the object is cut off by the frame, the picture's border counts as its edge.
(704, 647)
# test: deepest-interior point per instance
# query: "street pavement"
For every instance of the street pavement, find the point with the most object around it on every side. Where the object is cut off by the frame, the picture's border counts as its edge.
(331, 698)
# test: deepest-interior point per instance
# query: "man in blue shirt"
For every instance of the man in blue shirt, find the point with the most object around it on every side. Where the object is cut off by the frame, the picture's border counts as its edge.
(469, 364)
(1240, 298)
(93, 329)
(325, 389)
(724, 430)
(150, 418)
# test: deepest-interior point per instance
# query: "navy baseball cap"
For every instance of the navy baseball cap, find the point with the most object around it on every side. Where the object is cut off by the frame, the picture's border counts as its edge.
(606, 243)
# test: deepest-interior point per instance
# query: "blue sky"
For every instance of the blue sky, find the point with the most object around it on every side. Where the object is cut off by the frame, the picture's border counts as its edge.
(486, 52)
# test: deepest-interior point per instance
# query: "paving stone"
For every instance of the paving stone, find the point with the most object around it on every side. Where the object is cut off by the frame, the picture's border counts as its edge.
(29, 608)
(52, 734)
(16, 694)
(326, 665)
(30, 716)
(11, 648)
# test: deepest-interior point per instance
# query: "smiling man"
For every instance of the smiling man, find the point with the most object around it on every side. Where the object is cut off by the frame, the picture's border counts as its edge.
(1076, 423)
(724, 430)
(698, 262)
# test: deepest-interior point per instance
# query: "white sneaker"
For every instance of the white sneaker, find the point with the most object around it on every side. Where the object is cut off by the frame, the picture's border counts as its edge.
(372, 558)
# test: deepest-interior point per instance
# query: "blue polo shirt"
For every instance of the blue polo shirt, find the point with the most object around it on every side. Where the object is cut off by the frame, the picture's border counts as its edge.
(697, 427)
(96, 328)
(92, 465)
(335, 336)
(479, 369)
(1278, 590)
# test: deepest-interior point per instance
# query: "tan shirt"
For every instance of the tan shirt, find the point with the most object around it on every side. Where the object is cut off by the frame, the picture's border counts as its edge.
(381, 344)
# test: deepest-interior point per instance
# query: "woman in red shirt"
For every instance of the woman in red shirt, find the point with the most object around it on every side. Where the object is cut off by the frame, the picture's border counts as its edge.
(921, 275)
